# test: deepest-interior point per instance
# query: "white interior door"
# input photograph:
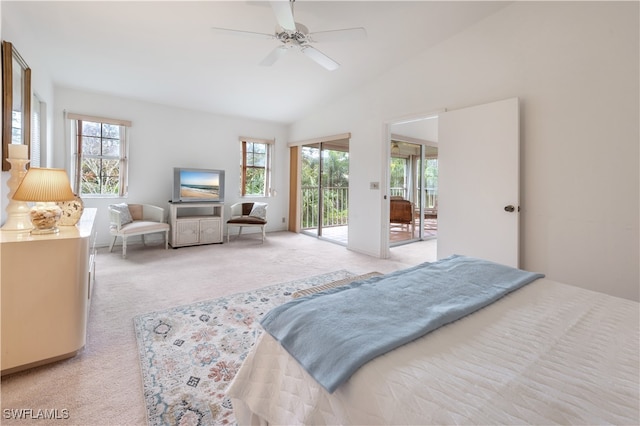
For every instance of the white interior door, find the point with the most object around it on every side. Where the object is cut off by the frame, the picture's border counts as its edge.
(479, 178)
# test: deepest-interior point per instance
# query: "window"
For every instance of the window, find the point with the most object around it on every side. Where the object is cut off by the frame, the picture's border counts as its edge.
(398, 178)
(255, 167)
(100, 156)
(38, 115)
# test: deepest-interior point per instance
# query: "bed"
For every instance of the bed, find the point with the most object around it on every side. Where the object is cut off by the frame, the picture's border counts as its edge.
(544, 353)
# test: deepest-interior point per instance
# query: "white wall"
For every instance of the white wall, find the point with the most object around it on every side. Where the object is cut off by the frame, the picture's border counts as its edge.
(164, 137)
(574, 65)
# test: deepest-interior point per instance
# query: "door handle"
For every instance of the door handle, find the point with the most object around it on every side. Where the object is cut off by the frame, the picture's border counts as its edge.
(509, 208)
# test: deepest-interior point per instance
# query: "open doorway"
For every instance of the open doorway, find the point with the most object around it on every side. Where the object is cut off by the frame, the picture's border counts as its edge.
(413, 181)
(478, 187)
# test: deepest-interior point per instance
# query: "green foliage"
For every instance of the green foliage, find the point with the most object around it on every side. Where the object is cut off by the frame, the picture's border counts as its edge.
(255, 181)
(335, 187)
(398, 176)
(431, 173)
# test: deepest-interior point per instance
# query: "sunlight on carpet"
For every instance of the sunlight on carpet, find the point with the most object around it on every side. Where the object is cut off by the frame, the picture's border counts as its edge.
(189, 354)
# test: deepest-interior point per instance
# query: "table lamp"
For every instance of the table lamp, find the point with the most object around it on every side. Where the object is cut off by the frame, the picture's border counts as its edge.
(45, 187)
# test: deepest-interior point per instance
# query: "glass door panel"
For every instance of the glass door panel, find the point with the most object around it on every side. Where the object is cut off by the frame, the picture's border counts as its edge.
(325, 190)
(335, 192)
(406, 198)
(310, 188)
(430, 227)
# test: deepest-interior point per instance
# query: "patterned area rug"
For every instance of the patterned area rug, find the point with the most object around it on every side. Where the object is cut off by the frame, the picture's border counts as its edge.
(189, 354)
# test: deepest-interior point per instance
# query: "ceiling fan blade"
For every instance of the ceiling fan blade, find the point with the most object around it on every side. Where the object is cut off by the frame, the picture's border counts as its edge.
(272, 57)
(243, 33)
(284, 14)
(320, 57)
(346, 34)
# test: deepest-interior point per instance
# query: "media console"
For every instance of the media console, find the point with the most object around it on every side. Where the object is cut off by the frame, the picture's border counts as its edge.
(194, 223)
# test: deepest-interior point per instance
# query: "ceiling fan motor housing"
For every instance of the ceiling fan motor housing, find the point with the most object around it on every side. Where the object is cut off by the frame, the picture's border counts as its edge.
(293, 34)
(298, 37)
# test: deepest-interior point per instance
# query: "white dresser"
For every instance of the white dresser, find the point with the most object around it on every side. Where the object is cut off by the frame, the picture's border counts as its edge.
(46, 281)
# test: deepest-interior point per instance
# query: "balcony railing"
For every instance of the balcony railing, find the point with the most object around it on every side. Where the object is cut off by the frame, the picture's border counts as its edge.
(335, 205)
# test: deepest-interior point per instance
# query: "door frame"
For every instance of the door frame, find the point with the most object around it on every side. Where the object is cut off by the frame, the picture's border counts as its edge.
(295, 178)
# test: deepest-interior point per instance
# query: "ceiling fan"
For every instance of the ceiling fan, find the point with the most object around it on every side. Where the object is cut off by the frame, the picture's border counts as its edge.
(295, 35)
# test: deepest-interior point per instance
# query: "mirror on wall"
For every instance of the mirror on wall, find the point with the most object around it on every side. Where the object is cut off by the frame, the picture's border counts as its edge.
(16, 101)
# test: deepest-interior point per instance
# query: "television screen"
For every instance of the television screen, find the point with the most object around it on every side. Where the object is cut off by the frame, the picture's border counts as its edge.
(198, 185)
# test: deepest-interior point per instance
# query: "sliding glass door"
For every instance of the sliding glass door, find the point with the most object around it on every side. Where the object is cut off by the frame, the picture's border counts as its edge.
(406, 197)
(325, 190)
(413, 192)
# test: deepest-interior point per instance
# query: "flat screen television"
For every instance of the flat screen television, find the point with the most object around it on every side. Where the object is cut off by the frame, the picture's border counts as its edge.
(197, 185)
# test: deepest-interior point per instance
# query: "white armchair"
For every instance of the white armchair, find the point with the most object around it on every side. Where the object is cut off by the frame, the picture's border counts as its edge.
(127, 220)
(248, 214)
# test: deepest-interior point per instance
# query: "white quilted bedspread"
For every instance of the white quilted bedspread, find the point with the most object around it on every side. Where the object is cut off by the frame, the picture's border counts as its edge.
(547, 354)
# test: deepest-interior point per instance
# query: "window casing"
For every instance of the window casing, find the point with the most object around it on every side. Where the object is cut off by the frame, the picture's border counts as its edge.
(255, 167)
(100, 163)
(37, 130)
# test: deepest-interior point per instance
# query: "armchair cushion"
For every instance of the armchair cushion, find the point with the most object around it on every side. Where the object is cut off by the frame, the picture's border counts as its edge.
(139, 227)
(247, 220)
(136, 211)
(259, 210)
(125, 214)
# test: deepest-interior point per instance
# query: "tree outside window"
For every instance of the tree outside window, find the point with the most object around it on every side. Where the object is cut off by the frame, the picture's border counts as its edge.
(398, 178)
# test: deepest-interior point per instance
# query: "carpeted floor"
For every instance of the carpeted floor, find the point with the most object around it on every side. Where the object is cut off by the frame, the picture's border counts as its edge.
(103, 384)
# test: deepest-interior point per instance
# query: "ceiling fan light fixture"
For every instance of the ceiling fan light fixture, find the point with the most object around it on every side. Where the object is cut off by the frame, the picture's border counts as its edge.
(293, 34)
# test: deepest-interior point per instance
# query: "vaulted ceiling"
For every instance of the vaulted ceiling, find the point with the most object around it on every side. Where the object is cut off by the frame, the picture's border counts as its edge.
(166, 51)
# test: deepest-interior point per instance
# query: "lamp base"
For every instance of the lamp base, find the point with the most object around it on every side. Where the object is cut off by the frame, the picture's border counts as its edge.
(45, 218)
(17, 211)
(37, 231)
(18, 221)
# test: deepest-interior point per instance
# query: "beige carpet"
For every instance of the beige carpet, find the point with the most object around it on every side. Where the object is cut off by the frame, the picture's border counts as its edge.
(102, 385)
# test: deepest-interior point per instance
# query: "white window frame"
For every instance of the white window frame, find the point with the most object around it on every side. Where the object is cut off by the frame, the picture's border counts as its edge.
(38, 130)
(72, 120)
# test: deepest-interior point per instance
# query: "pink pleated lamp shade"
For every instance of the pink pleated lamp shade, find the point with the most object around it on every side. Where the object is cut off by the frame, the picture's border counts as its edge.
(44, 185)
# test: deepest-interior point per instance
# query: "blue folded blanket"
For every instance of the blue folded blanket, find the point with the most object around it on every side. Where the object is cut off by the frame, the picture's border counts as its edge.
(333, 333)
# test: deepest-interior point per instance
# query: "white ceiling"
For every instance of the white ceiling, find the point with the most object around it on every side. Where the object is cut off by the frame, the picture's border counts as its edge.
(165, 51)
